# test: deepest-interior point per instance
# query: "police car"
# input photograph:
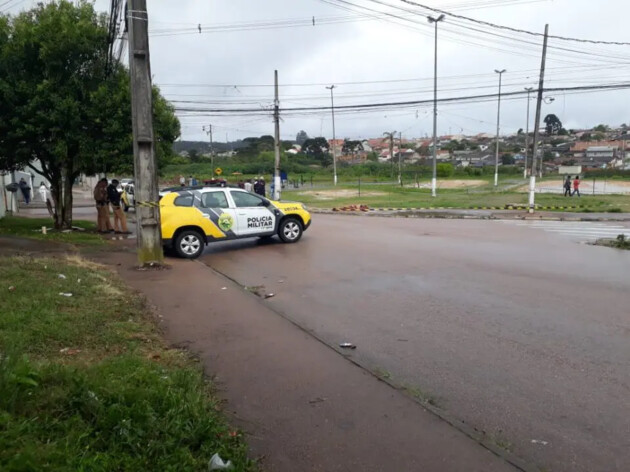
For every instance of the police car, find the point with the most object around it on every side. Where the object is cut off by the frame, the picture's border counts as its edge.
(192, 218)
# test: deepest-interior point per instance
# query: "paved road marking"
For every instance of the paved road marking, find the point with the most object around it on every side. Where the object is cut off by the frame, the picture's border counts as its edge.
(586, 231)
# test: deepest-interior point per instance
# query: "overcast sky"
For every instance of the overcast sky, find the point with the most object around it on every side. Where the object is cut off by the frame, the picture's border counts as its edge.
(364, 46)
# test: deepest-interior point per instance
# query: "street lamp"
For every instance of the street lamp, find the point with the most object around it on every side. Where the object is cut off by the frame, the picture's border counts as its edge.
(434, 179)
(529, 90)
(332, 108)
(496, 153)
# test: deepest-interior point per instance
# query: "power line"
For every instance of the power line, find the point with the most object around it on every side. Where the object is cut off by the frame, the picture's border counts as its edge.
(618, 86)
(515, 30)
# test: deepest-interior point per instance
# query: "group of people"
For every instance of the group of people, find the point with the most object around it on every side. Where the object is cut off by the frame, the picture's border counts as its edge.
(192, 181)
(104, 196)
(258, 186)
(576, 186)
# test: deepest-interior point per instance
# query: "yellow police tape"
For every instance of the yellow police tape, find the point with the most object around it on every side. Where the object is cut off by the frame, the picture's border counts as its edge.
(148, 204)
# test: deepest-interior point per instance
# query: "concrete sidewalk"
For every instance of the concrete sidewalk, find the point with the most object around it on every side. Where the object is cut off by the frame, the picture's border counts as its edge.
(303, 406)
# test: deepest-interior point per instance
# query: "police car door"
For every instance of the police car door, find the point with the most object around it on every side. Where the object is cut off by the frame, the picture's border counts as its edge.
(215, 206)
(252, 215)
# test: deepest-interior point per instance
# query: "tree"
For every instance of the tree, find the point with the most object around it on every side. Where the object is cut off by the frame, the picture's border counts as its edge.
(60, 104)
(586, 137)
(507, 159)
(301, 137)
(193, 155)
(520, 131)
(548, 156)
(351, 147)
(315, 147)
(601, 128)
(553, 125)
(563, 132)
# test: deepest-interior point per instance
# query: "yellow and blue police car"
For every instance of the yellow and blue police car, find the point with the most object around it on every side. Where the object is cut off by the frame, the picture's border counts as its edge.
(192, 218)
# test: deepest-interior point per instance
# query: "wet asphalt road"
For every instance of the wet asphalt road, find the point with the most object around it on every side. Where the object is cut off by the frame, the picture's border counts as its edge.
(520, 332)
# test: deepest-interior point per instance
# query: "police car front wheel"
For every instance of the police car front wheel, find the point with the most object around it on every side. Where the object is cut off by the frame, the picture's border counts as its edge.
(189, 244)
(290, 230)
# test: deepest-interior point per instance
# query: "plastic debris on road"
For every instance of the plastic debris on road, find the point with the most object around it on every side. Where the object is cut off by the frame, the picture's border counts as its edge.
(63, 294)
(347, 346)
(61, 276)
(269, 295)
(216, 463)
(539, 441)
(223, 288)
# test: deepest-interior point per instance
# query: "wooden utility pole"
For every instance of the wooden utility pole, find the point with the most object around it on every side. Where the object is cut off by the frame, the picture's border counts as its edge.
(209, 131)
(277, 184)
(529, 90)
(541, 84)
(145, 168)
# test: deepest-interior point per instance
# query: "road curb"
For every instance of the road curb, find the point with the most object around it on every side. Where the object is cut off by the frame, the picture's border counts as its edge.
(469, 431)
(462, 214)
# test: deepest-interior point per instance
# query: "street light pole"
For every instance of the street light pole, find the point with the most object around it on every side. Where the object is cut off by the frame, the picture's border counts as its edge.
(434, 179)
(332, 108)
(496, 153)
(529, 90)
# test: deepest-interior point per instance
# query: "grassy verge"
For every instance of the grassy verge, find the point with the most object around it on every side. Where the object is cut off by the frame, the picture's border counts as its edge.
(621, 242)
(86, 382)
(32, 228)
(383, 196)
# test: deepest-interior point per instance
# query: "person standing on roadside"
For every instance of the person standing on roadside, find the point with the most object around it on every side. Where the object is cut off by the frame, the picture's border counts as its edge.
(120, 220)
(182, 181)
(567, 186)
(43, 192)
(576, 186)
(248, 185)
(26, 191)
(102, 207)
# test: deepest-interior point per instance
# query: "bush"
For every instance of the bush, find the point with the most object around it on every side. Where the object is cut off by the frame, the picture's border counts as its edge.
(445, 170)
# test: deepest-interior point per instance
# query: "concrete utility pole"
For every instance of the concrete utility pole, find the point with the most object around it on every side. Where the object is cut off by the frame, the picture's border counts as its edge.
(208, 130)
(277, 184)
(434, 179)
(529, 90)
(541, 84)
(399, 158)
(145, 168)
(496, 154)
(332, 107)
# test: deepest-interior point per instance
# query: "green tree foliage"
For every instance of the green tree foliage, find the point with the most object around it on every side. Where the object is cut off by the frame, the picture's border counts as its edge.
(351, 146)
(553, 125)
(445, 170)
(315, 147)
(601, 128)
(58, 105)
(586, 137)
(301, 137)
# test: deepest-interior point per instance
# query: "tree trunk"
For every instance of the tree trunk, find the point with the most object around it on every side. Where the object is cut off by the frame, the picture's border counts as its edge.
(66, 209)
(61, 191)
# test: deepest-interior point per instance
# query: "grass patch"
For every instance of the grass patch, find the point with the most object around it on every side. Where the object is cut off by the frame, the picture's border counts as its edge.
(621, 242)
(86, 382)
(32, 228)
(393, 196)
(422, 396)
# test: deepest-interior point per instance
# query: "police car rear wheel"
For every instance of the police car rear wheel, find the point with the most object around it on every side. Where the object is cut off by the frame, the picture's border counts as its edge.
(290, 230)
(189, 244)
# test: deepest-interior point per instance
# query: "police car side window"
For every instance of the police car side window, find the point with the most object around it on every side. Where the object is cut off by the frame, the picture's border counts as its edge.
(214, 200)
(184, 201)
(245, 199)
